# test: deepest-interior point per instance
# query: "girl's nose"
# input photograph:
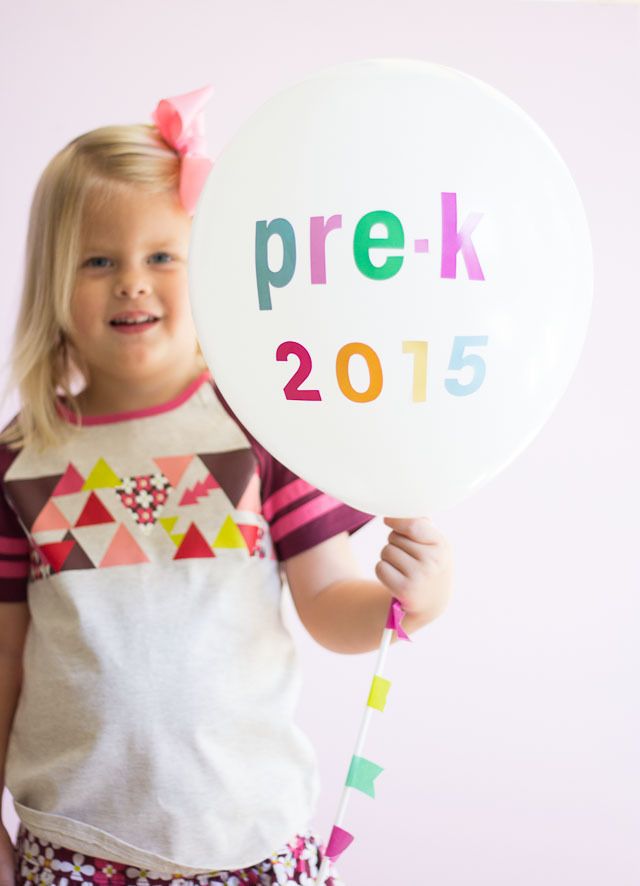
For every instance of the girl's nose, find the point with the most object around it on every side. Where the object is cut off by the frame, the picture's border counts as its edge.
(132, 285)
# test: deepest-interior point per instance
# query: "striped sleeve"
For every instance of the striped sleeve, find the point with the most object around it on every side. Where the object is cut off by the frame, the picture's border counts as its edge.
(14, 544)
(300, 516)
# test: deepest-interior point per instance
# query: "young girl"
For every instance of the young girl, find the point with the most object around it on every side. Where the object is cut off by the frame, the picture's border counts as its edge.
(148, 681)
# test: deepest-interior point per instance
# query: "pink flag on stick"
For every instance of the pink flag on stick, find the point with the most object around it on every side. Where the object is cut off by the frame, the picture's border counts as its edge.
(394, 619)
(338, 842)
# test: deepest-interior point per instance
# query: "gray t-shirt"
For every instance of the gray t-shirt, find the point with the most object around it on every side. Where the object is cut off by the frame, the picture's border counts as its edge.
(155, 721)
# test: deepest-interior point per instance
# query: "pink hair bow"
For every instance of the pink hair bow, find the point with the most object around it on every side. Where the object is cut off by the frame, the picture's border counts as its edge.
(181, 124)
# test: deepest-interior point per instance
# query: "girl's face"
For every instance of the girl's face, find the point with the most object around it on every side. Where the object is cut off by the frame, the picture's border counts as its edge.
(133, 262)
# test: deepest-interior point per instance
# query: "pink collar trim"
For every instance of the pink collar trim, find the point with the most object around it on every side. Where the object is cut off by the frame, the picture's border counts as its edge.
(109, 418)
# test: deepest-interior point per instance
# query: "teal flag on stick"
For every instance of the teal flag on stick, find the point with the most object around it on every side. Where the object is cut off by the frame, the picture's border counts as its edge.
(362, 773)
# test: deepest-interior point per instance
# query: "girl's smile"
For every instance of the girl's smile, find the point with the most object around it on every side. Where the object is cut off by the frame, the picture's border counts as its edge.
(133, 321)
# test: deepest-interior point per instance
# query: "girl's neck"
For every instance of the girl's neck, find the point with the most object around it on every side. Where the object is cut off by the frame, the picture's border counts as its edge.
(107, 394)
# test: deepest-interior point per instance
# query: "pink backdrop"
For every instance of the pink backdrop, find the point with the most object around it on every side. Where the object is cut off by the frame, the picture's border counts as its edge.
(510, 737)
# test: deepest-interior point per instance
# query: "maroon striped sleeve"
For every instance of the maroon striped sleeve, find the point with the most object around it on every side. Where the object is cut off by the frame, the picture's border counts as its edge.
(300, 516)
(14, 544)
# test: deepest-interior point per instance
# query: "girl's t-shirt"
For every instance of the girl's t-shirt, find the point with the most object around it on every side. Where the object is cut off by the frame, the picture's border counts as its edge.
(155, 721)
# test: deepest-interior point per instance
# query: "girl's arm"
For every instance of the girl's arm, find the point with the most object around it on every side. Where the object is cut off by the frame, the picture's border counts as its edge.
(345, 612)
(14, 621)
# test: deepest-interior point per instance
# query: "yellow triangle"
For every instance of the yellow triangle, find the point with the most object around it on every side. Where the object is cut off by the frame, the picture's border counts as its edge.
(101, 477)
(229, 536)
(177, 539)
(168, 523)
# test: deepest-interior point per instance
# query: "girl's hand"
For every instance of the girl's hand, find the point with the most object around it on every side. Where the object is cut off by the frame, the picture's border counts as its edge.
(417, 565)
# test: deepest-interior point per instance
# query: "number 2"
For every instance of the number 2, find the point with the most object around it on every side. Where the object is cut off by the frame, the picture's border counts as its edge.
(292, 388)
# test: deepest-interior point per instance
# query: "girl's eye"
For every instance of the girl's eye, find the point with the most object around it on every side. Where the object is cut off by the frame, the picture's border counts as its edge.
(92, 262)
(101, 261)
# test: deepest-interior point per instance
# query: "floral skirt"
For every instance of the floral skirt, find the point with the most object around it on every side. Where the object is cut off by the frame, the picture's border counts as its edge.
(40, 862)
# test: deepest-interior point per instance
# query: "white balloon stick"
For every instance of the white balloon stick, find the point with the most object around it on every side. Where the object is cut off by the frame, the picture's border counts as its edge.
(364, 725)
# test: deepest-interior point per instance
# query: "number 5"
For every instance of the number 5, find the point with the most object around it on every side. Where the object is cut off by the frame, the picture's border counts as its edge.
(459, 361)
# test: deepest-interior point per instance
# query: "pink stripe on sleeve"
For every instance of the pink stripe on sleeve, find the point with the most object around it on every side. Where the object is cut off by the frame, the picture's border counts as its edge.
(14, 568)
(304, 514)
(12, 545)
(285, 496)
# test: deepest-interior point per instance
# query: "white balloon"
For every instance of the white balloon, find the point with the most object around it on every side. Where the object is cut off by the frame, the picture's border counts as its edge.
(474, 334)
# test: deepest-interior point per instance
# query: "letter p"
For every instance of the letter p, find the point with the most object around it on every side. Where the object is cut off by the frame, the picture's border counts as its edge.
(265, 276)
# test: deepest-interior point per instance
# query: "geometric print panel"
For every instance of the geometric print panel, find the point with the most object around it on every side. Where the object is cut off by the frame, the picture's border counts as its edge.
(144, 496)
(76, 523)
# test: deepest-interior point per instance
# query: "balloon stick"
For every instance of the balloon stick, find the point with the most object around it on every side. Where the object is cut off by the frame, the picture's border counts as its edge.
(364, 725)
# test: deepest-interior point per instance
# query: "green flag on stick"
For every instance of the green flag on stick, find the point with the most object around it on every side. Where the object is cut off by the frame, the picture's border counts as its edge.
(361, 775)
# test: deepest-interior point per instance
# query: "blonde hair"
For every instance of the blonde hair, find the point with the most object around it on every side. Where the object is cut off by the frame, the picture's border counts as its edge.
(43, 362)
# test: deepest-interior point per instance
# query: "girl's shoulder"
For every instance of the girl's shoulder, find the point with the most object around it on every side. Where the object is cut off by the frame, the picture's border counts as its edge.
(8, 450)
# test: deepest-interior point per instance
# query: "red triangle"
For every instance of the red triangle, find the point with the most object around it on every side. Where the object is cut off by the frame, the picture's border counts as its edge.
(250, 535)
(193, 495)
(123, 550)
(71, 481)
(50, 518)
(193, 545)
(94, 512)
(56, 553)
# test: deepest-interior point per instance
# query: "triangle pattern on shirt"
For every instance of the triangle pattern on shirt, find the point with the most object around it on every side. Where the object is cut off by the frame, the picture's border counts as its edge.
(199, 490)
(101, 477)
(30, 496)
(233, 470)
(94, 540)
(144, 496)
(50, 518)
(123, 550)
(229, 535)
(71, 481)
(71, 505)
(174, 466)
(168, 523)
(193, 545)
(94, 512)
(56, 553)
(251, 535)
(250, 499)
(78, 558)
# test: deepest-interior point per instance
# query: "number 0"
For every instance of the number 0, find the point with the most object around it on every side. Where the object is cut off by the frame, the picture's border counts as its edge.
(345, 354)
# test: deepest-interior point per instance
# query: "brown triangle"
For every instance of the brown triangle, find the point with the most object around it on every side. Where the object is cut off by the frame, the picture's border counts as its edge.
(233, 470)
(78, 558)
(30, 496)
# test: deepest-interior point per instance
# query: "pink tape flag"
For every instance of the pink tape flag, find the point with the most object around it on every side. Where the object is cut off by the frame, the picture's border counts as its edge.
(338, 842)
(394, 619)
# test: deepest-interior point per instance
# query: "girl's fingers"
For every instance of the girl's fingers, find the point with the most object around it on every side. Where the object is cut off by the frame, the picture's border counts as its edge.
(391, 577)
(402, 560)
(418, 529)
(415, 549)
